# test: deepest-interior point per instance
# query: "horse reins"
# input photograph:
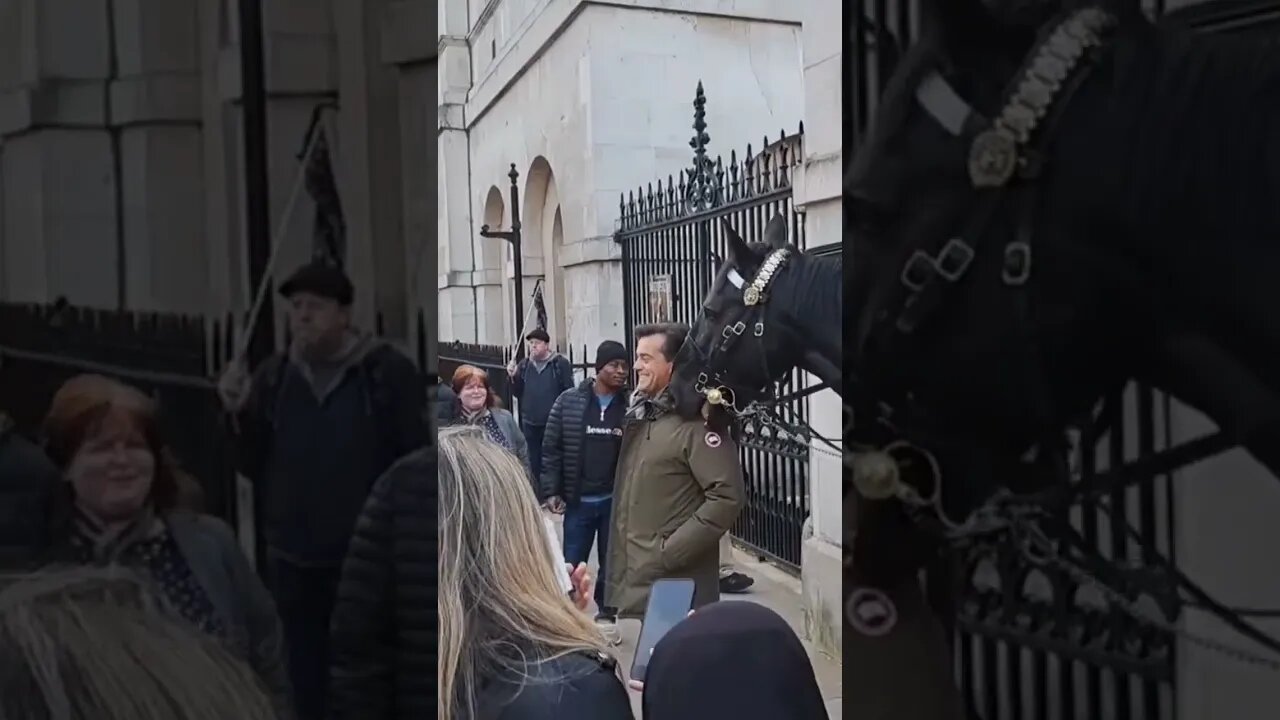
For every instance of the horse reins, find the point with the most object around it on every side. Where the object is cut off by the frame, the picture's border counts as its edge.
(1000, 151)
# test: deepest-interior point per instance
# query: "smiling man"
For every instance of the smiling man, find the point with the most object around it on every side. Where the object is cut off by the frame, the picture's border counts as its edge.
(580, 462)
(678, 488)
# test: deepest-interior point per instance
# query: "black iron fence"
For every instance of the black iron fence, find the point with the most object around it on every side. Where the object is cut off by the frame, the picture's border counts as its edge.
(672, 240)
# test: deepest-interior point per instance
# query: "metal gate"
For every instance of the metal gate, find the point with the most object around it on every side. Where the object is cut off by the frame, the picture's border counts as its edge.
(1029, 643)
(672, 240)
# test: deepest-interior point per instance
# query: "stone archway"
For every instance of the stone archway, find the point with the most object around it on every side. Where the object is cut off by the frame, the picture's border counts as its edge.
(543, 242)
(491, 295)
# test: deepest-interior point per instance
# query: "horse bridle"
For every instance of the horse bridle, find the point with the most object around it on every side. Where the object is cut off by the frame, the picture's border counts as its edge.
(999, 151)
(711, 384)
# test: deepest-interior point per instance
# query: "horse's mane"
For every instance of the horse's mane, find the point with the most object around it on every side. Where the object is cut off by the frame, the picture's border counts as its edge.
(1204, 129)
(817, 281)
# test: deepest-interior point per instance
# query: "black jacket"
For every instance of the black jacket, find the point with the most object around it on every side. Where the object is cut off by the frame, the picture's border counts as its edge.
(445, 399)
(384, 629)
(573, 687)
(294, 437)
(29, 484)
(563, 441)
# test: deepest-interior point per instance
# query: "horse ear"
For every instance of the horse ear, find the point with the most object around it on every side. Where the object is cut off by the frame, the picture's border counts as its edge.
(775, 233)
(738, 247)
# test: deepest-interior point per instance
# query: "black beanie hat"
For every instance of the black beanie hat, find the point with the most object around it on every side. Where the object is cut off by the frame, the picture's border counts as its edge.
(608, 352)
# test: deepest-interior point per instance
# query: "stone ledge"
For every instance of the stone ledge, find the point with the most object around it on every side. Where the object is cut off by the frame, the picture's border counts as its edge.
(64, 102)
(406, 33)
(156, 98)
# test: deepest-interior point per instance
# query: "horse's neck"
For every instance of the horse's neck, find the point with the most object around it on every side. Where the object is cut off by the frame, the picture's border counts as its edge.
(1206, 177)
(812, 306)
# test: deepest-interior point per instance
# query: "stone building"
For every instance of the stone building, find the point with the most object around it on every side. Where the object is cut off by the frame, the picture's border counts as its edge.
(121, 148)
(589, 100)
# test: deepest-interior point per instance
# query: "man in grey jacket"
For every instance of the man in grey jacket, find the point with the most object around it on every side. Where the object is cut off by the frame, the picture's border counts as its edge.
(536, 382)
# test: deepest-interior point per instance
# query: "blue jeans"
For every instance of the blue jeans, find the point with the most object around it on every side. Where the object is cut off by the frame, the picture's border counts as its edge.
(585, 521)
(533, 436)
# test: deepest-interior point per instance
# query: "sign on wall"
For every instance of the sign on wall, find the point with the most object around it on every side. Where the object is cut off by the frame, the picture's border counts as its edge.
(660, 298)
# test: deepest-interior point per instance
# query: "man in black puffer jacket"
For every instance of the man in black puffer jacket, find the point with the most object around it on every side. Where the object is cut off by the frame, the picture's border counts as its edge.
(28, 486)
(385, 626)
(580, 458)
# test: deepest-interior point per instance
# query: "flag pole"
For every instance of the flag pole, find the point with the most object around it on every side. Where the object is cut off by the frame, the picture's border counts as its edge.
(537, 290)
(277, 239)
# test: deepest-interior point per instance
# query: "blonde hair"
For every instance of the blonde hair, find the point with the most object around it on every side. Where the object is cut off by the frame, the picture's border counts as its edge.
(87, 643)
(501, 605)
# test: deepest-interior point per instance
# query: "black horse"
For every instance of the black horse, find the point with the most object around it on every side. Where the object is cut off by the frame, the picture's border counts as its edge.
(1053, 199)
(771, 309)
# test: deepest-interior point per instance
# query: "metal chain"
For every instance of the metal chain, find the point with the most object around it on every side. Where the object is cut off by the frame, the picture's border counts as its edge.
(1046, 554)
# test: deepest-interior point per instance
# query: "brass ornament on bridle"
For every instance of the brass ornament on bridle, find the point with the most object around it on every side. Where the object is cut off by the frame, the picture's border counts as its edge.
(994, 155)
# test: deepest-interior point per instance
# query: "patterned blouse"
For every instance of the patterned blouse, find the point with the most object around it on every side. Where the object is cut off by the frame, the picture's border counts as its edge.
(485, 419)
(155, 552)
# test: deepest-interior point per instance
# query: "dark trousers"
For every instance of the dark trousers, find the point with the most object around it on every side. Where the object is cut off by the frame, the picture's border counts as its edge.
(533, 435)
(305, 597)
(584, 521)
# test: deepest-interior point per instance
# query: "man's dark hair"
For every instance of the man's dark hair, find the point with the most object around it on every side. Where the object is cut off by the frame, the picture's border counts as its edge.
(673, 336)
(538, 334)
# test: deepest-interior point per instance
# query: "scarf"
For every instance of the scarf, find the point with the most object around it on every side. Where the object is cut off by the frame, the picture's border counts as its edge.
(106, 545)
(485, 419)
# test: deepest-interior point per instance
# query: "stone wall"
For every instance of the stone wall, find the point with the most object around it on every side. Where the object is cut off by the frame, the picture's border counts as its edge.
(818, 194)
(121, 148)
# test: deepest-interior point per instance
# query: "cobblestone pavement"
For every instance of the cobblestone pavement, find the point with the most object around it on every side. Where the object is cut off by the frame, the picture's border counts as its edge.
(773, 588)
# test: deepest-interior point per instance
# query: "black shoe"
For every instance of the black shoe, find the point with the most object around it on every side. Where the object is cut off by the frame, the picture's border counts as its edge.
(735, 583)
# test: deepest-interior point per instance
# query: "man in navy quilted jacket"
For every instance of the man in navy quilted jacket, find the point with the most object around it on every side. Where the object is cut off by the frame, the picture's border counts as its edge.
(580, 459)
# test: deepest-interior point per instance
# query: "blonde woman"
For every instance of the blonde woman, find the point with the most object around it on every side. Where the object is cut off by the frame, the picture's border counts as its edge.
(513, 644)
(88, 643)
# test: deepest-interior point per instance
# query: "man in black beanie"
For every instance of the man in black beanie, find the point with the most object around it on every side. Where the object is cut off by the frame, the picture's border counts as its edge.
(580, 457)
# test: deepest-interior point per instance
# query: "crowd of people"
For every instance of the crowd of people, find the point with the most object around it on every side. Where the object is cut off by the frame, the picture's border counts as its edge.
(121, 599)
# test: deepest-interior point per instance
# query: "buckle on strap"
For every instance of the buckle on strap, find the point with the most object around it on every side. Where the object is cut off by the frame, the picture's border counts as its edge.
(1017, 264)
(951, 264)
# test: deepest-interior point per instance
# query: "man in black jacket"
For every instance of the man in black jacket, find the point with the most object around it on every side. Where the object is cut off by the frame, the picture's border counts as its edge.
(385, 624)
(580, 458)
(28, 485)
(314, 428)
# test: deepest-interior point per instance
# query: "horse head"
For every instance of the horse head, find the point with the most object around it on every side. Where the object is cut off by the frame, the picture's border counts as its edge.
(1033, 224)
(745, 338)
(992, 304)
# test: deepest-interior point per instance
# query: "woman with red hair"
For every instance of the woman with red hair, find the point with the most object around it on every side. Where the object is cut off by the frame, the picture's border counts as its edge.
(479, 405)
(128, 504)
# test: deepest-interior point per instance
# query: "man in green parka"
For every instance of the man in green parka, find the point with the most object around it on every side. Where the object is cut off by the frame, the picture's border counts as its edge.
(678, 490)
